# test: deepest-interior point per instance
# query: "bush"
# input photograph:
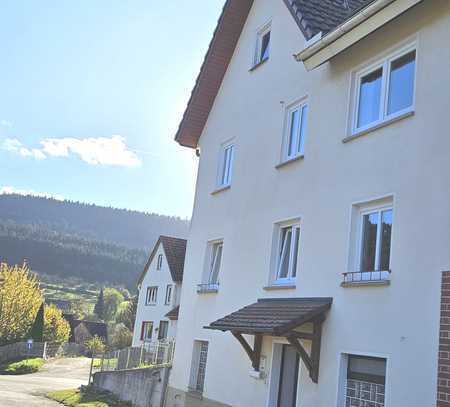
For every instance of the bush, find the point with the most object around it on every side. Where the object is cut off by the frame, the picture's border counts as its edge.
(95, 345)
(24, 366)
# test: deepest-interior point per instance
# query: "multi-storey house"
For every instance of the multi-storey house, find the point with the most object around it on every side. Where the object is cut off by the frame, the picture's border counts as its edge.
(321, 222)
(159, 292)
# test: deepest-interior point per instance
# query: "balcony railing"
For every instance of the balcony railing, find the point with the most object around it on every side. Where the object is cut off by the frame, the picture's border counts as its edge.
(366, 277)
(208, 288)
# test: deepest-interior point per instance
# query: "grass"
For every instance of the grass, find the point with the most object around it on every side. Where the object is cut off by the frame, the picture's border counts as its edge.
(86, 397)
(24, 366)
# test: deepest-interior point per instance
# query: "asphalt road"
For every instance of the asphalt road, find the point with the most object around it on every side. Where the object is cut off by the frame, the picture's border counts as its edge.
(29, 390)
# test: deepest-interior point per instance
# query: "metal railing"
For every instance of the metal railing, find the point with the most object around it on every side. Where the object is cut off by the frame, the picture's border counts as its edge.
(208, 288)
(151, 354)
(366, 276)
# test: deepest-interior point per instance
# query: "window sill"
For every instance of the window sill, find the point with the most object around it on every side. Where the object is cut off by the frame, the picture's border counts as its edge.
(150, 305)
(274, 287)
(289, 161)
(220, 189)
(379, 283)
(195, 394)
(207, 288)
(256, 66)
(379, 125)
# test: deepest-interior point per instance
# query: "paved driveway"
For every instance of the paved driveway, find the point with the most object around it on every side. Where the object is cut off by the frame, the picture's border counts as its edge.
(29, 390)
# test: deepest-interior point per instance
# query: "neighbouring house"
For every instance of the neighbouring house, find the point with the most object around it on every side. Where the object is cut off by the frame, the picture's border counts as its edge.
(159, 292)
(81, 330)
(321, 221)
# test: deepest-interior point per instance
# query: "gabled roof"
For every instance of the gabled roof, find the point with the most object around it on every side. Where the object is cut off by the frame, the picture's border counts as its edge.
(175, 251)
(173, 313)
(315, 16)
(312, 16)
(274, 316)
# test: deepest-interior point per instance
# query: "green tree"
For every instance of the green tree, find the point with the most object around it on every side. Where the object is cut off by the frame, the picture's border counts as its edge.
(121, 337)
(99, 308)
(112, 300)
(56, 328)
(37, 330)
(127, 315)
(95, 345)
(20, 299)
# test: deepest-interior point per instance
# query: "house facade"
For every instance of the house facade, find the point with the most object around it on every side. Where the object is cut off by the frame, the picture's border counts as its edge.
(321, 220)
(159, 292)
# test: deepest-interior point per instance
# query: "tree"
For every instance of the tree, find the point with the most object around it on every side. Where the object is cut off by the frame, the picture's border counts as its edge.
(121, 337)
(99, 308)
(127, 315)
(37, 330)
(56, 328)
(79, 308)
(20, 299)
(95, 345)
(112, 300)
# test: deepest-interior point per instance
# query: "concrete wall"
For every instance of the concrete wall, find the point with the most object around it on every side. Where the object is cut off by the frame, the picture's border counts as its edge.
(407, 160)
(156, 313)
(142, 387)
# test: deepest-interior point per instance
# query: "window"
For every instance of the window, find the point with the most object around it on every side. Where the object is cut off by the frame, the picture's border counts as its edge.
(168, 294)
(163, 330)
(152, 296)
(159, 262)
(226, 166)
(366, 380)
(198, 367)
(295, 131)
(376, 233)
(146, 331)
(385, 91)
(216, 260)
(287, 255)
(262, 51)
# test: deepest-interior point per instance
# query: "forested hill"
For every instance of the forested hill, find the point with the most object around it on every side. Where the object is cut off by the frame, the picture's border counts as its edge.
(128, 228)
(87, 242)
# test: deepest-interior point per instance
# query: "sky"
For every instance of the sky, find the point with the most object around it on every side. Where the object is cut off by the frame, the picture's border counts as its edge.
(91, 96)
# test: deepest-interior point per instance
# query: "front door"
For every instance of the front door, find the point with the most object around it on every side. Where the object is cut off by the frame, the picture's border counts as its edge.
(287, 389)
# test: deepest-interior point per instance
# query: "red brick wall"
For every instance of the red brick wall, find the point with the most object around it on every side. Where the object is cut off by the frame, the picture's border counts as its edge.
(443, 396)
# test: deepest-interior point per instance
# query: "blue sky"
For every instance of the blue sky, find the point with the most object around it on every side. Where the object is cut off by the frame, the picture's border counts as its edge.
(92, 92)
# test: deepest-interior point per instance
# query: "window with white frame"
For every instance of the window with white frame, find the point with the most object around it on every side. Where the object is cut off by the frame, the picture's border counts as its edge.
(169, 289)
(198, 366)
(216, 250)
(365, 382)
(159, 262)
(225, 165)
(295, 130)
(385, 90)
(146, 331)
(152, 296)
(262, 49)
(287, 253)
(163, 330)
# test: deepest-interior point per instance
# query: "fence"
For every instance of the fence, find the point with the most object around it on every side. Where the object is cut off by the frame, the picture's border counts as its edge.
(153, 354)
(21, 349)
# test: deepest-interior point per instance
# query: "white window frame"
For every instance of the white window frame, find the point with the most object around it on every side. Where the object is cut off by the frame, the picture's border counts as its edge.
(290, 279)
(169, 292)
(367, 211)
(298, 105)
(226, 165)
(152, 326)
(159, 262)
(260, 34)
(213, 252)
(195, 366)
(384, 117)
(151, 295)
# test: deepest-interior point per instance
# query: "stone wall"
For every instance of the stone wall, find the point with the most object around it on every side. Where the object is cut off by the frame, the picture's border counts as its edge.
(142, 387)
(443, 396)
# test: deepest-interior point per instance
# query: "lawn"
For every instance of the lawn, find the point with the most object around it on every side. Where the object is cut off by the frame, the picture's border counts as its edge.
(24, 366)
(86, 397)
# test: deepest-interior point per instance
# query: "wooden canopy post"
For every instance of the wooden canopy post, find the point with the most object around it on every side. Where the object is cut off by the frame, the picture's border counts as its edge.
(311, 361)
(255, 353)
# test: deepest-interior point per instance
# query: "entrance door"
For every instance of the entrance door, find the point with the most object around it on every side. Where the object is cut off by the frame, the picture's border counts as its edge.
(287, 389)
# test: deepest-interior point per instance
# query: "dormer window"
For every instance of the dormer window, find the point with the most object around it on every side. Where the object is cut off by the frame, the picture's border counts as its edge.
(262, 51)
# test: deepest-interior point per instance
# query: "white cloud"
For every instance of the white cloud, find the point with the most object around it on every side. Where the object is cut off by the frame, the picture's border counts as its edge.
(94, 151)
(7, 190)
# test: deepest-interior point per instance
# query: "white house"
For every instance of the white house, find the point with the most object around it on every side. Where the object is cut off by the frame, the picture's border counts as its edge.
(321, 222)
(159, 292)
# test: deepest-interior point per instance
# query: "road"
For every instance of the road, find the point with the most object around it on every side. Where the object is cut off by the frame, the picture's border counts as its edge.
(29, 390)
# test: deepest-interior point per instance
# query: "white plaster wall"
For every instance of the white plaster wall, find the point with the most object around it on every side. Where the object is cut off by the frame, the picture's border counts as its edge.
(407, 159)
(156, 313)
